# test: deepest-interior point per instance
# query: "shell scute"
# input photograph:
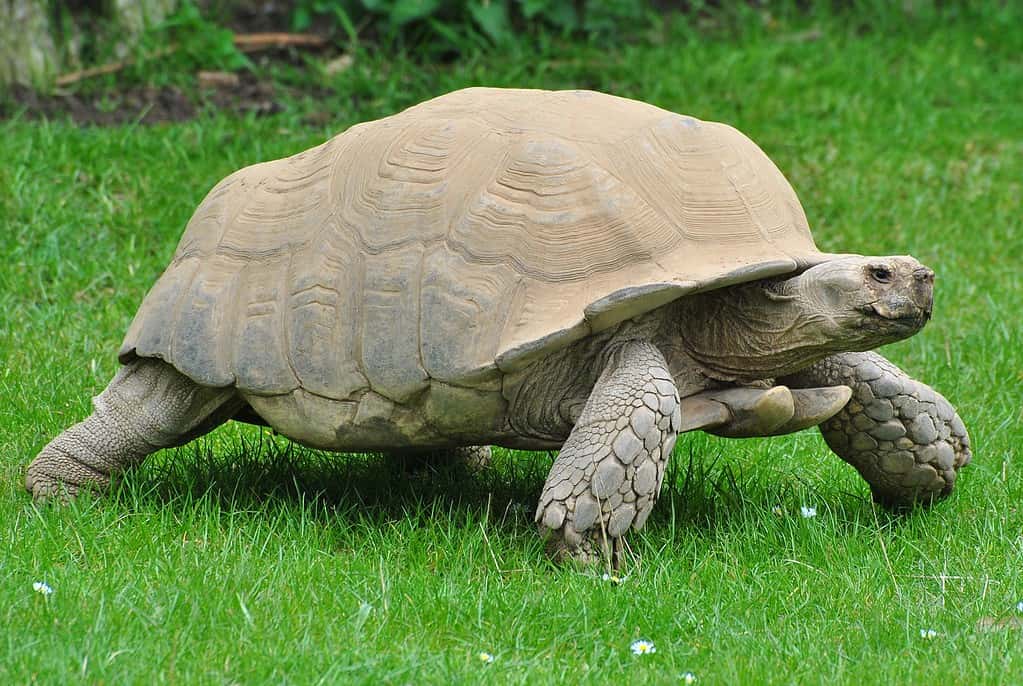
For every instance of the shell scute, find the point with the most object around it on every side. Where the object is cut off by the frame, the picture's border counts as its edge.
(464, 312)
(405, 195)
(322, 336)
(261, 362)
(390, 315)
(204, 316)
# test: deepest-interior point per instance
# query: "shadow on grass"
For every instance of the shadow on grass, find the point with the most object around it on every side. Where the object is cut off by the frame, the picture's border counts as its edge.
(703, 491)
(272, 472)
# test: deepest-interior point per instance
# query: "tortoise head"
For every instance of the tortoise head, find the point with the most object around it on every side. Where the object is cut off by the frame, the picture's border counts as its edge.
(865, 302)
(770, 328)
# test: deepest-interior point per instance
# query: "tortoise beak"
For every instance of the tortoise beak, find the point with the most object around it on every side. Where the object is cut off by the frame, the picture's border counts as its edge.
(901, 309)
(923, 281)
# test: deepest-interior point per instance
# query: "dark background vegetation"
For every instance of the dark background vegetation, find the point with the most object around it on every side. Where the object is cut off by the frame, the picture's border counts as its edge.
(173, 58)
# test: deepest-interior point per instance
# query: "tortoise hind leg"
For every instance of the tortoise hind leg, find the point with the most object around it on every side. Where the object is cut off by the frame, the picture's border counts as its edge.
(905, 439)
(472, 459)
(147, 406)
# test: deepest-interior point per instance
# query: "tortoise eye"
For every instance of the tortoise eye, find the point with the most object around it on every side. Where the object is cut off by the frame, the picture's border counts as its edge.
(881, 274)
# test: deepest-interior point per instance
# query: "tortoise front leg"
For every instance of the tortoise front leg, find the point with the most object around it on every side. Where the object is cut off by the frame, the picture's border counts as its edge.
(608, 474)
(903, 437)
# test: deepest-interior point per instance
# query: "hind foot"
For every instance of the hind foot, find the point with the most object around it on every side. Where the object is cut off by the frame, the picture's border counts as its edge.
(147, 406)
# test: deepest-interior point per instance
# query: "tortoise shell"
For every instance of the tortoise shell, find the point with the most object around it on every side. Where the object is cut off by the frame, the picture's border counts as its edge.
(466, 236)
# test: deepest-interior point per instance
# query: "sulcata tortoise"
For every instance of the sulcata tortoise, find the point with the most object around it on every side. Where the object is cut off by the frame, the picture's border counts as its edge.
(529, 269)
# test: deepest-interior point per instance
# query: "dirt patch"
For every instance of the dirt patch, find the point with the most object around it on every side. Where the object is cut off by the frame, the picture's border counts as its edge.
(245, 94)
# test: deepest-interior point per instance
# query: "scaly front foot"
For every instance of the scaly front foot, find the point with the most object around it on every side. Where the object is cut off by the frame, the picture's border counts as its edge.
(608, 474)
(904, 438)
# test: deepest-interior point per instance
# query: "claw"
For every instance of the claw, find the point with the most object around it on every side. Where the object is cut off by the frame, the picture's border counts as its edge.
(738, 412)
(813, 406)
(748, 412)
(593, 548)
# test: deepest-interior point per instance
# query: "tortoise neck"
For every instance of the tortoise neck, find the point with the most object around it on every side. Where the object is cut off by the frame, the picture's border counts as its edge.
(752, 331)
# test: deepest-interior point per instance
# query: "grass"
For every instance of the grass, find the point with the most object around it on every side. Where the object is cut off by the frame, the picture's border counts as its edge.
(242, 559)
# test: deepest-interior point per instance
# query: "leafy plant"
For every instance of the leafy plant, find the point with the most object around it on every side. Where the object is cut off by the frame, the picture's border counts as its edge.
(192, 41)
(439, 26)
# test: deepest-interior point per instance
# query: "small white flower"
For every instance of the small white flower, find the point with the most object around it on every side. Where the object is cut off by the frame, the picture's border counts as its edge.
(485, 657)
(928, 634)
(614, 579)
(688, 678)
(1019, 606)
(42, 587)
(642, 647)
(808, 511)
(777, 511)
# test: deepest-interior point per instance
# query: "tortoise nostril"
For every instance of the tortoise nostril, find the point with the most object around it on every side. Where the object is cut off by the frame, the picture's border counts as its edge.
(924, 274)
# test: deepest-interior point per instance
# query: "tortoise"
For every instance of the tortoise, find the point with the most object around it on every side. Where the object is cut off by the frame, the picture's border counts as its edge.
(531, 269)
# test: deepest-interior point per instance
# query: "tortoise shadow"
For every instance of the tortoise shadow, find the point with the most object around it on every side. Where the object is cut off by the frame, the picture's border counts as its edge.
(376, 488)
(702, 492)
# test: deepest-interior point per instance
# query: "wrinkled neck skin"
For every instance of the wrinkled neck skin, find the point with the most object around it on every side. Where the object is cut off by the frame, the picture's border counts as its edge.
(751, 332)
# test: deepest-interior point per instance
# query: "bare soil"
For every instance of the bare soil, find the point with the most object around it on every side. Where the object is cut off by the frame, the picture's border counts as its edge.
(242, 93)
(146, 104)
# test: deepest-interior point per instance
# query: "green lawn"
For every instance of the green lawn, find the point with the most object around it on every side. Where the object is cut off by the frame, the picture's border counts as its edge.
(242, 559)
